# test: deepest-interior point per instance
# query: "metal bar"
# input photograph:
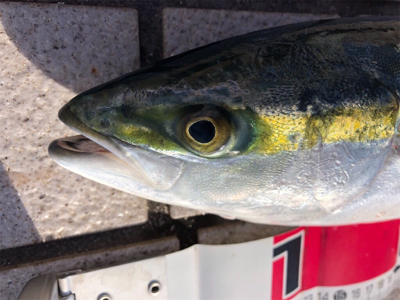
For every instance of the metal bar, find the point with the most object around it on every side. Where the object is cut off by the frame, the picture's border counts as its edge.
(159, 225)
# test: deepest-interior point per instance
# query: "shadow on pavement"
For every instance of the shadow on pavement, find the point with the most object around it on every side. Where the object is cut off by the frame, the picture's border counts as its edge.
(78, 46)
(15, 222)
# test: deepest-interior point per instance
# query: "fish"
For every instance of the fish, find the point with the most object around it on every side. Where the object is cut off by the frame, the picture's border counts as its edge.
(293, 125)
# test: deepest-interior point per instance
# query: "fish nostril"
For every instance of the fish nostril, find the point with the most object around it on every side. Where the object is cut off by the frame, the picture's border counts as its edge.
(105, 123)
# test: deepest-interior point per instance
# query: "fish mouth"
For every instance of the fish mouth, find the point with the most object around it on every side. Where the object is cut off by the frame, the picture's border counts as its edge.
(79, 143)
(112, 162)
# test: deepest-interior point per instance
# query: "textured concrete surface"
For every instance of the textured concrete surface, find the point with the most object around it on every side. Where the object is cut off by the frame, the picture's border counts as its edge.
(48, 53)
(177, 212)
(12, 281)
(185, 29)
(238, 233)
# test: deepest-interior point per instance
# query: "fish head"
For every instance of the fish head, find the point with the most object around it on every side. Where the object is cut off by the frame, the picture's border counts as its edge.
(236, 129)
(148, 141)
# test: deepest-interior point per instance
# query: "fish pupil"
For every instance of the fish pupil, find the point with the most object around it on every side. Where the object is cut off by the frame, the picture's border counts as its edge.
(202, 131)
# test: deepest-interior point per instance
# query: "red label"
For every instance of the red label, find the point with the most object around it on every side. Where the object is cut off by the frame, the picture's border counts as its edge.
(309, 257)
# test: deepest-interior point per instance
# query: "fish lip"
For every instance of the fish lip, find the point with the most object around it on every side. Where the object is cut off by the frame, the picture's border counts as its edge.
(87, 134)
(104, 143)
(89, 142)
(70, 146)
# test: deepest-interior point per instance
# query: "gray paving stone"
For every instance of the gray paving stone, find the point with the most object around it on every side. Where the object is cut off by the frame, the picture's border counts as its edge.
(186, 29)
(48, 53)
(177, 212)
(238, 233)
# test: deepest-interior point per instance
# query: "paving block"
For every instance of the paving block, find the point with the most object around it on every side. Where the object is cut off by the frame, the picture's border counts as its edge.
(50, 52)
(185, 29)
(238, 233)
(177, 212)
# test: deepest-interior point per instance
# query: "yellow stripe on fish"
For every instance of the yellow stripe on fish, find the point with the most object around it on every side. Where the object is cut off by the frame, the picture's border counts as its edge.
(278, 133)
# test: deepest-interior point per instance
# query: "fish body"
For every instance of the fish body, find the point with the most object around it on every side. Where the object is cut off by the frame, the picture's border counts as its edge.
(295, 125)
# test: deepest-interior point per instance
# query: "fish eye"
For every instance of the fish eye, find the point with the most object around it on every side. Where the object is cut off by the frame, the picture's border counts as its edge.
(207, 133)
(202, 131)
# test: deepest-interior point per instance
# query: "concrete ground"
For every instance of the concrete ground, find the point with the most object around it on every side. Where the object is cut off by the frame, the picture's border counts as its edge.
(49, 53)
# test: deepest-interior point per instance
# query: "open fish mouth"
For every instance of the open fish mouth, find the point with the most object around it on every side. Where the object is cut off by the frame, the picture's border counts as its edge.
(111, 161)
(80, 143)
